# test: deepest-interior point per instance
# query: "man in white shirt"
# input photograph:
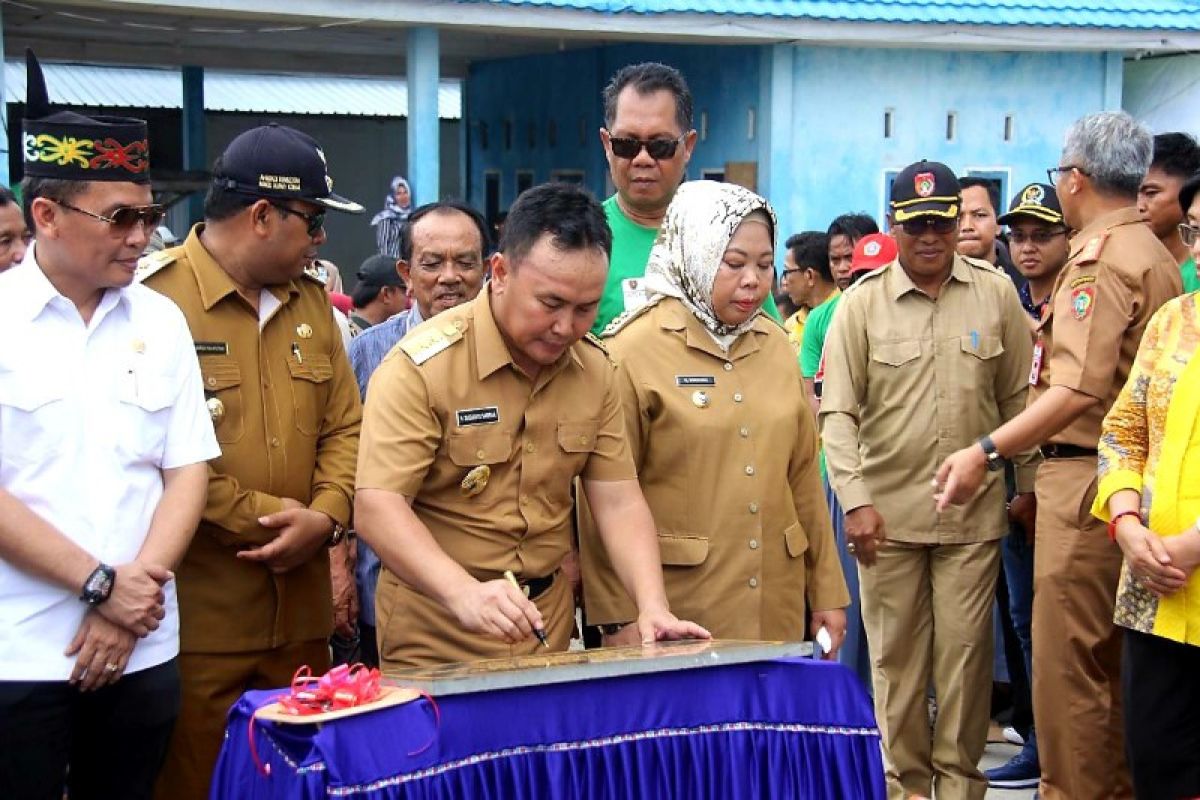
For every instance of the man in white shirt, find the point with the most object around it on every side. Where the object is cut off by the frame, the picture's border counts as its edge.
(103, 441)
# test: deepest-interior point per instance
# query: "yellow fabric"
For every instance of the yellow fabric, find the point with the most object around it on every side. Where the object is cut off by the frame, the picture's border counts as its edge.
(1150, 442)
(794, 325)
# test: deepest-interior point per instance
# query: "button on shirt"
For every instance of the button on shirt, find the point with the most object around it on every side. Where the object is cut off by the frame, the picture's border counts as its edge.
(909, 380)
(90, 415)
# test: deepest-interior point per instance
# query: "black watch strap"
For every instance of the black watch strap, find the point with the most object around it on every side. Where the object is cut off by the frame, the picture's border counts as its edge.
(995, 462)
(99, 585)
(613, 628)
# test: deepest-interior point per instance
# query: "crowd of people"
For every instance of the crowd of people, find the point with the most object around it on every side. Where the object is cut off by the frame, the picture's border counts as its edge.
(217, 468)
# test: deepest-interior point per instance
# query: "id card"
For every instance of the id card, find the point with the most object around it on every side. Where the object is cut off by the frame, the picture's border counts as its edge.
(633, 292)
(1035, 370)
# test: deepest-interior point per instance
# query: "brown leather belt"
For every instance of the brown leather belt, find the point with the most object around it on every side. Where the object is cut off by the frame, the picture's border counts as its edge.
(535, 587)
(1067, 451)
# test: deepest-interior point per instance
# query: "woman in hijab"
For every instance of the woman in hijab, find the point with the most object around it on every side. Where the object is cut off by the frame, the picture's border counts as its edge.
(723, 439)
(390, 220)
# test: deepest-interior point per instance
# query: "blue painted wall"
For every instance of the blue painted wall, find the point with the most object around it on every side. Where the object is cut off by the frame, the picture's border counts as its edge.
(566, 88)
(825, 119)
(840, 95)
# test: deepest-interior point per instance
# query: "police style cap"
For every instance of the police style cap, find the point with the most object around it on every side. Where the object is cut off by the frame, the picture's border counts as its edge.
(379, 270)
(1037, 200)
(925, 189)
(69, 146)
(281, 162)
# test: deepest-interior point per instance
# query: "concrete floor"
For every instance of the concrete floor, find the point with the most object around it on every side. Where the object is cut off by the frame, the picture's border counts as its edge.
(995, 755)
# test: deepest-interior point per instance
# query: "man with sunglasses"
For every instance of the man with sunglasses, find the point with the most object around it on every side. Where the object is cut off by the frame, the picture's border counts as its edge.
(103, 439)
(254, 586)
(648, 140)
(1117, 275)
(923, 356)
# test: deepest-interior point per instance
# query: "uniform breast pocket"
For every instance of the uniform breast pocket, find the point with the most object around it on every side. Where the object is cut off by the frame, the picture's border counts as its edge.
(895, 354)
(310, 390)
(981, 355)
(472, 448)
(144, 408)
(34, 419)
(577, 441)
(223, 392)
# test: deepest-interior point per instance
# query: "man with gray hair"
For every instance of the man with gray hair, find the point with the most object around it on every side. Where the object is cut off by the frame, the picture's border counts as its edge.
(1116, 277)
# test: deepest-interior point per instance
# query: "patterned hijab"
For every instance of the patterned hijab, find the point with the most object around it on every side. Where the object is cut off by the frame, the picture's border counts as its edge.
(686, 255)
(392, 209)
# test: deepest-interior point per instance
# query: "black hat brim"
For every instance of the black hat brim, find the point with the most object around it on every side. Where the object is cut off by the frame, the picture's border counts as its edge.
(930, 208)
(337, 203)
(1037, 213)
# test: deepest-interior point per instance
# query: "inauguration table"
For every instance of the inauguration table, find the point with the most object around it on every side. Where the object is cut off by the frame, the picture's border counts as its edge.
(785, 728)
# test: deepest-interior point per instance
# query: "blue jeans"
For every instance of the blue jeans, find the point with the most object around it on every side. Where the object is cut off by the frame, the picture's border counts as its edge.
(854, 652)
(1017, 555)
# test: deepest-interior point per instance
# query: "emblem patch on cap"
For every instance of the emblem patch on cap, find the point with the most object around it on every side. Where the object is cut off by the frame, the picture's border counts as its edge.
(924, 183)
(872, 249)
(1083, 300)
(1033, 195)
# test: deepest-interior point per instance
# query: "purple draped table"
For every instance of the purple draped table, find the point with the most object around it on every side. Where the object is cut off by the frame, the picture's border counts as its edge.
(790, 728)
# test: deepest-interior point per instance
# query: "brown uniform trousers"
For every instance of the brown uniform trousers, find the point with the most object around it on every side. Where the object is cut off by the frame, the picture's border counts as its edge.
(449, 402)
(286, 412)
(1117, 276)
(726, 454)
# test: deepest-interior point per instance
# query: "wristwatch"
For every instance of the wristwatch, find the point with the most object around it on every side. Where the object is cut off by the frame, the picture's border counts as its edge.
(995, 462)
(338, 535)
(613, 628)
(99, 585)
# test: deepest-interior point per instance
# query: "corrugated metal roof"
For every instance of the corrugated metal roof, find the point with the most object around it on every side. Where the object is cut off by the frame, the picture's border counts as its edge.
(140, 87)
(1117, 14)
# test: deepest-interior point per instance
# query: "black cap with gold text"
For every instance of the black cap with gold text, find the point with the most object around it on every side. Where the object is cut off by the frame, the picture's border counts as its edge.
(925, 189)
(1038, 201)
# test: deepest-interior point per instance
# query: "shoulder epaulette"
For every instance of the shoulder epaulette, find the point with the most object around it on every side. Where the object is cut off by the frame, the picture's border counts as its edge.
(427, 341)
(148, 265)
(311, 273)
(594, 340)
(1091, 251)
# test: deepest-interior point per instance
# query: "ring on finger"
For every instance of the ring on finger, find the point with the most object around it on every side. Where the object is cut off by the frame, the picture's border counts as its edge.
(851, 547)
(111, 667)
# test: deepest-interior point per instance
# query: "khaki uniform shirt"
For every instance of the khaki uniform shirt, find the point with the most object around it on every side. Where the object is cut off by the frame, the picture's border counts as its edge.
(909, 380)
(726, 454)
(1117, 275)
(449, 399)
(286, 411)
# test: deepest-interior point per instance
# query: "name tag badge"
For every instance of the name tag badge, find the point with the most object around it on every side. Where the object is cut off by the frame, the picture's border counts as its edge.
(212, 348)
(1035, 370)
(695, 380)
(487, 415)
(633, 292)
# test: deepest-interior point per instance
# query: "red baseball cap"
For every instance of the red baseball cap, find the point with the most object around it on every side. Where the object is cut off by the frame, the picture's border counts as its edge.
(872, 252)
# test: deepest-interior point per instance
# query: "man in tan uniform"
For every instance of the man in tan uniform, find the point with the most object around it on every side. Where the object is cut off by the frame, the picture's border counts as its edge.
(476, 425)
(1116, 277)
(254, 589)
(923, 356)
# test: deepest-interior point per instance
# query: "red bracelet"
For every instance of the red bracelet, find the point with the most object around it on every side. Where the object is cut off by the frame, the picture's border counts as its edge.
(1112, 524)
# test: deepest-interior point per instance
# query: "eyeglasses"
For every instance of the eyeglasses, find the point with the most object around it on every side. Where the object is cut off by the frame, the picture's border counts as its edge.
(315, 221)
(123, 218)
(1054, 172)
(787, 272)
(1040, 237)
(939, 225)
(1189, 233)
(659, 149)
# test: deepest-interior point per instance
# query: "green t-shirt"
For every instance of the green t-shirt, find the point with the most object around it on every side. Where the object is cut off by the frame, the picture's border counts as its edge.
(1188, 270)
(815, 328)
(630, 252)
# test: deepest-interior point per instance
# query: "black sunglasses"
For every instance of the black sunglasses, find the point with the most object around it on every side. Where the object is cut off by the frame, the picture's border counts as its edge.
(315, 221)
(123, 218)
(659, 149)
(939, 225)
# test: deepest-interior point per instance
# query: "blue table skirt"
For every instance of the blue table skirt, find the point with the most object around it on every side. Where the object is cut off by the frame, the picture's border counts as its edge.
(791, 728)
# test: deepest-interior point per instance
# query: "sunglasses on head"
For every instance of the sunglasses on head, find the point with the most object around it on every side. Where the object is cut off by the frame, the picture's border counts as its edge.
(659, 149)
(315, 221)
(939, 225)
(123, 218)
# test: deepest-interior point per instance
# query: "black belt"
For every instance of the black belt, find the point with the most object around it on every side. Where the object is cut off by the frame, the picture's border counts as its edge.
(1067, 451)
(535, 587)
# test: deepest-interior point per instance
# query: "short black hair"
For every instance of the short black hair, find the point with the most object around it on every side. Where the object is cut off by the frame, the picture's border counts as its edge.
(221, 203)
(853, 226)
(647, 78)
(1176, 154)
(993, 191)
(442, 206)
(810, 250)
(57, 189)
(571, 216)
(364, 293)
(1187, 192)
(6, 196)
